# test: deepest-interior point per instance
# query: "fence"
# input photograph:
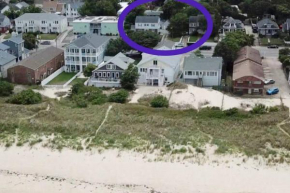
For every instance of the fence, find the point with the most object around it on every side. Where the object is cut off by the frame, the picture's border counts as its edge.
(68, 82)
(52, 76)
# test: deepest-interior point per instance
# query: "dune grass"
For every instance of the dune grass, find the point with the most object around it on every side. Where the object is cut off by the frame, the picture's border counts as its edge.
(139, 127)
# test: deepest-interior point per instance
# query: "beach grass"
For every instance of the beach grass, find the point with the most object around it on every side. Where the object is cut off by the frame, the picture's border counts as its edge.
(141, 127)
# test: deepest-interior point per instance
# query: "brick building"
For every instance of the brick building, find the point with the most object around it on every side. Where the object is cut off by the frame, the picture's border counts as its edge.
(37, 67)
(248, 73)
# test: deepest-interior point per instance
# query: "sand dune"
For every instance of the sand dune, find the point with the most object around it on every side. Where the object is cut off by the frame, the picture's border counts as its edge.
(42, 170)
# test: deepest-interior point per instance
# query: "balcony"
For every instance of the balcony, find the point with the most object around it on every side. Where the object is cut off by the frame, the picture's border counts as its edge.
(154, 74)
(114, 80)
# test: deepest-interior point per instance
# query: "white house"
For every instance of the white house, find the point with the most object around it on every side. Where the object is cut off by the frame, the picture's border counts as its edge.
(88, 49)
(109, 73)
(148, 23)
(158, 70)
(203, 72)
(42, 22)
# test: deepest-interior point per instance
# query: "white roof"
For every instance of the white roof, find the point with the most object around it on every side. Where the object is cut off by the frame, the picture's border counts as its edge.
(40, 16)
(97, 19)
(123, 5)
(172, 61)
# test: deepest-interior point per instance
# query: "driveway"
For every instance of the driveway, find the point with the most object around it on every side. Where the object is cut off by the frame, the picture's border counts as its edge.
(273, 70)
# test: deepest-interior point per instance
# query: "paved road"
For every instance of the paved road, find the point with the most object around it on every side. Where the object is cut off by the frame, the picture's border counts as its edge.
(273, 70)
(268, 53)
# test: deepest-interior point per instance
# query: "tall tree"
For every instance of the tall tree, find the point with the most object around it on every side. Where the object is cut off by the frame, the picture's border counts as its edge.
(129, 77)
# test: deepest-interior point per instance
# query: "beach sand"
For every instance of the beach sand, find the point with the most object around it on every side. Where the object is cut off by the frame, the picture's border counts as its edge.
(41, 170)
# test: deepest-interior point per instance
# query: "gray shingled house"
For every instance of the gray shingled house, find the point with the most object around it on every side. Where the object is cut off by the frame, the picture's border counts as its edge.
(6, 61)
(148, 23)
(203, 72)
(267, 27)
(109, 73)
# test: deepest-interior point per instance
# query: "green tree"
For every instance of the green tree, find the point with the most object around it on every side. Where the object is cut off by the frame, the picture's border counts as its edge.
(147, 39)
(138, 11)
(178, 25)
(100, 8)
(115, 46)
(88, 71)
(30, 41)
(129, 77)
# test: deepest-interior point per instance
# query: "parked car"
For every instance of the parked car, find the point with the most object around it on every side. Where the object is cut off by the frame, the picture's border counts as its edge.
(272, 91)
(273, 46)
(45, 43)
(205, 48)
(269, 81)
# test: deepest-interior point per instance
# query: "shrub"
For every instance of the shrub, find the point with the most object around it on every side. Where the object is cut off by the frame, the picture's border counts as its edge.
(231, 112)
(259, 109)
(273, 109)
(160, 102)
(6, 88)
(119, 97)
(26, 97)
(97, 97)
(81, 102)
(88, 71)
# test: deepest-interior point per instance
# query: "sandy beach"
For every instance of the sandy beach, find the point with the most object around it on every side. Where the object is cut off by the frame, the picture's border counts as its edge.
(41, 170)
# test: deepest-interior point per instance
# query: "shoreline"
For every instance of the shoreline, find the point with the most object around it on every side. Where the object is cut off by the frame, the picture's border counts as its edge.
(24, 169)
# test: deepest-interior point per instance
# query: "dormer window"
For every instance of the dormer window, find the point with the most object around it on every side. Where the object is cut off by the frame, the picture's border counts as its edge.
(155, 62)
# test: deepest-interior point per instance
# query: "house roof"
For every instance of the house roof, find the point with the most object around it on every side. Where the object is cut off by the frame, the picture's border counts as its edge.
(16, 39)
(2, 17)
(22, 4)
(195, 19)
(265, 22)
(196, 63)
(119, 60)
(248, 68)
(147, 19)
(172, 61)
(248, 53)
(91, 39)
(153, 13)
(5, 58)
(229, 21)
(41, 16)
(2, 4)
(4, 47)
(40, 58)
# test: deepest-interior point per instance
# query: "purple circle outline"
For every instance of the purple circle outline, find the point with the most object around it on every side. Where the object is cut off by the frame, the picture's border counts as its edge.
(136, 46)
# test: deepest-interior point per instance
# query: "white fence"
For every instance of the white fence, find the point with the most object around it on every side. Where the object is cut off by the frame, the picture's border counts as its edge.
(68, 82)
(52, 76)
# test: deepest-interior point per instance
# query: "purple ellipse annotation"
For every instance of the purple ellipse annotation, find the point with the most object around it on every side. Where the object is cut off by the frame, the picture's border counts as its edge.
(136, 46)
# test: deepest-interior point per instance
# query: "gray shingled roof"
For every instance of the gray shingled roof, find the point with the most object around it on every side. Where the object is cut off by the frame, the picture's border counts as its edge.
(40, 58)
(195, 63)
(147, 19)
(2, 17)
(4, 47)
(16, 39)
(41, 16)
(5, 58)
(119, 60)
(91, 39)
(266, 21)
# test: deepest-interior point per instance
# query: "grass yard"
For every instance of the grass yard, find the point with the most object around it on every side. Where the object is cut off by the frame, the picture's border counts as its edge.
(62, 78)
(142, 128)
(273, 41)
(196, 38)
(47, 36)
(78, 80)
(7, 36)
(177, 39)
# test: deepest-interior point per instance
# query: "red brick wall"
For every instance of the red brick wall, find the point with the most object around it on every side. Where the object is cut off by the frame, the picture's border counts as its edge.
(19, 74)
(246, 85)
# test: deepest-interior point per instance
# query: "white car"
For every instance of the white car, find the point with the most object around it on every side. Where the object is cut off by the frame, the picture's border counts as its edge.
(269, 81)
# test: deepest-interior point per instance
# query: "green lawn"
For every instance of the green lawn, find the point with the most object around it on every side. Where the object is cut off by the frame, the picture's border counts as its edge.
(177, 39)
(273, 41)
(47, 36)
(7, 36)
(62, 78)
(196, 38)
(78, 80)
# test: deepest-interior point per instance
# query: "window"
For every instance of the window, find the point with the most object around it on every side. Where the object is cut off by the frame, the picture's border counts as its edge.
(155, 62)
(83, 59)
(193, 73)
(211, 73)
(88, 59)
(108, 74)
(94, 50)
(109, 66)
(162, 71)
(104, 74)
(256, 90)
(186, 73)
(257, 82)
(83, 51)
(189, 73)
(88, 51)
(100, 74)
(117, 74)
(240, 82)
(56, 22)
(153, 25)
